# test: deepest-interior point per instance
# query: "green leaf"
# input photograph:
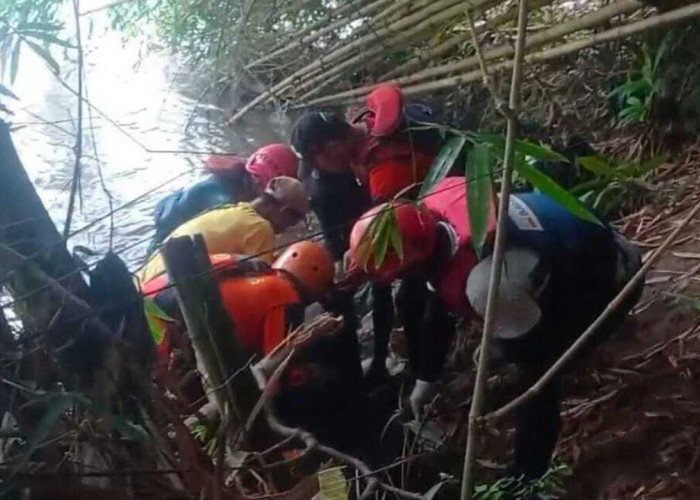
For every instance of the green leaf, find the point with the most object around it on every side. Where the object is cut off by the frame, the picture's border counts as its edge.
(48, 37)
(7, 92)
(549, 187)
(598, 165)
(14, 61)
(154, 316)
(395, 236)
(380, 246)
(639, 170)
(39, 27)
(442, 163)
(479, 193)
(44, 54)
(523, 147)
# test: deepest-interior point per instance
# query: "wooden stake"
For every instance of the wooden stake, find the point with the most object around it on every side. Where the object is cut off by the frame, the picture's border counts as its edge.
(210, 329)
(495, 281)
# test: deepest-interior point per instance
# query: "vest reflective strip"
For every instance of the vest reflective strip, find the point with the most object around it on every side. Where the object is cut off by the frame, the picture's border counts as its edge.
(523, 216)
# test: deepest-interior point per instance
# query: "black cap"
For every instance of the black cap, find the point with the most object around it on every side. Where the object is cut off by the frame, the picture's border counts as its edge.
(317, 128)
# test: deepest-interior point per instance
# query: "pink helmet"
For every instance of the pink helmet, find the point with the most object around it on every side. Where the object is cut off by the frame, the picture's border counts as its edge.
(273, 160)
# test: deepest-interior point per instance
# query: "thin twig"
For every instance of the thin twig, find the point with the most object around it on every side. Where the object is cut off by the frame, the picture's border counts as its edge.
(488, 81)
(497, 264)
(78, 148)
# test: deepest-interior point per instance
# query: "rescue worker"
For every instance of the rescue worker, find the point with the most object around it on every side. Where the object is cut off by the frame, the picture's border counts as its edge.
(369, 159)
(559, 274)
(232, 180)
(383, 144)
(243, 228)
(320, 390)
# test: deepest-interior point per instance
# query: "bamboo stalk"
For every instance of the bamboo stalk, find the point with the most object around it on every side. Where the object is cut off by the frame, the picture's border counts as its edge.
(612, 307)
(427, 27)
(374, 36)
(639, 27)
(432, 54)
(497, 264)
(303, 38)
(555, 33)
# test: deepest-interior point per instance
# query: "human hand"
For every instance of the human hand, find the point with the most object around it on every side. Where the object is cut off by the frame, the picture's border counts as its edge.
(423, 392)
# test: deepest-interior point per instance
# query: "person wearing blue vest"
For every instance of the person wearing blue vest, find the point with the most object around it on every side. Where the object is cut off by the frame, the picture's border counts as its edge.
(559, 274)
(232, 180)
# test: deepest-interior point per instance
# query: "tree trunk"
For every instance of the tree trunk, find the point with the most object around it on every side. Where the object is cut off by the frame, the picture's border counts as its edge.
(25, 225)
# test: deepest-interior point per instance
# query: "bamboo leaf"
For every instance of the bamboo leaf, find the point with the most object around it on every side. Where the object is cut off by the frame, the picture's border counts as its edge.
(395, 236)
(479, 193)
(638, 170)
(597, 165)
(380, 246)
(154, 317)
(56, 404)
(7, 92)
(48, 37)
(549, 187)
(522, 147)
(39, 27)
(14, 61)
(44, 54)
(443, 162)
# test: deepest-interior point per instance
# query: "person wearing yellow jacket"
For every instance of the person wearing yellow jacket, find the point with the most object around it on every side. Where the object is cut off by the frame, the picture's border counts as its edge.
(243, 228)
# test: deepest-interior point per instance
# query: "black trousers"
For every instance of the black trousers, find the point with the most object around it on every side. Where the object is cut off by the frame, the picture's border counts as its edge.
(537, 423)
(428, 327)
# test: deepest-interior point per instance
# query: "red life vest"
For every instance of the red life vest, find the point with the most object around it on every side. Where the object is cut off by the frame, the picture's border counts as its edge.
(393, 160)
(448, 201)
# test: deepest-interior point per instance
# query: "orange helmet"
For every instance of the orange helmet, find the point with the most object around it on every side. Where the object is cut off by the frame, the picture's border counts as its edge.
(417, 227)
(311, 264)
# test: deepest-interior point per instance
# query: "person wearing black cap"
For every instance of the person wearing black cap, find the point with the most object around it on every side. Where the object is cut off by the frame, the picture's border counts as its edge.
(338, 199)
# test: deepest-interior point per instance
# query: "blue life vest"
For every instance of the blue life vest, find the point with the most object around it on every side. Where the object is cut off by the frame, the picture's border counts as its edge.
(578, 252)
(185, 204)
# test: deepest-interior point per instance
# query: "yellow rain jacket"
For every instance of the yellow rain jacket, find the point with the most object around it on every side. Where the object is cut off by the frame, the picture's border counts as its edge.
(230, 229)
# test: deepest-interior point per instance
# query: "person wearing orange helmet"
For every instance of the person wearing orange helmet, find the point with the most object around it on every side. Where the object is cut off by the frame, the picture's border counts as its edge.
(265, 303)
(233, 179)
(560, 272)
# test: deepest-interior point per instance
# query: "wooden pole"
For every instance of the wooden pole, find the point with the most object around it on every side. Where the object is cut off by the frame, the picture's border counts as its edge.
(497, 265)
(220, 359)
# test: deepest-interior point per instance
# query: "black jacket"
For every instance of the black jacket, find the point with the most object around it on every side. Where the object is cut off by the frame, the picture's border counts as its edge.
(338, 201)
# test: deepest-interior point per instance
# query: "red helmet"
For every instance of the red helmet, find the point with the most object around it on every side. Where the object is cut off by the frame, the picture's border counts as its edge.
(225, 164)
(273, 160)
(417, 228)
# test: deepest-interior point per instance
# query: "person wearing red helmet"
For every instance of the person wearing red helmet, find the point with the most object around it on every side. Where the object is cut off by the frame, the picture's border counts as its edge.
(380, 145)
(357, 163)
(233, 179)
(560, 272)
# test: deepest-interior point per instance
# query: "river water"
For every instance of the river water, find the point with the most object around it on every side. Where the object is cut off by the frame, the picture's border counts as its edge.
(142, 104)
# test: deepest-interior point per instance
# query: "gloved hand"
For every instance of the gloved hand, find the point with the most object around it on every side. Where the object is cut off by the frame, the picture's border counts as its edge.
(423, 393)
